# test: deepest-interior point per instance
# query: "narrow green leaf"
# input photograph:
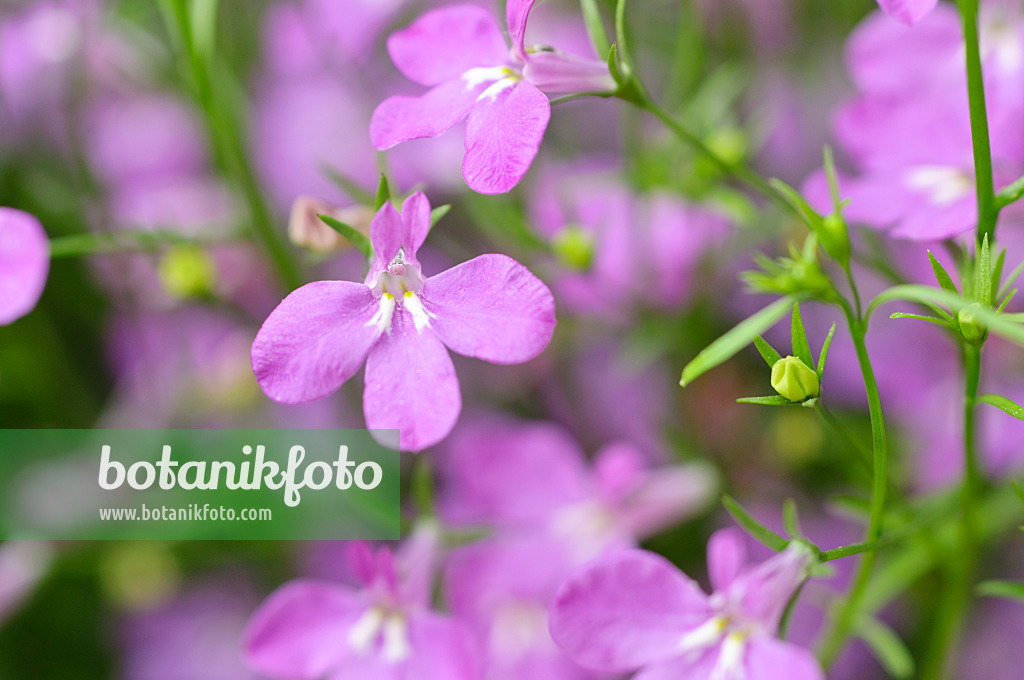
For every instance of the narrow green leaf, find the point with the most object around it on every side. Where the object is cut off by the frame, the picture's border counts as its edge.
(851, 506)
(983, 291)
(1002, 403)
(797, 202)
(595, 26)
(383, 193)
(801, 348)
(762, 533)
(353, 236)
(941, 275)
(1017, 271)
(1006, 300)
(830, 172)
(790, 519)
(1010, 194)
(1000, 324)
(997, 271)
(773, 400)
(824, 351)
(919, 317)
(437, 213)
(887, 647)
(768, 353)
(347, 184)
(203, 16)
(725, 347)
(1009, 590)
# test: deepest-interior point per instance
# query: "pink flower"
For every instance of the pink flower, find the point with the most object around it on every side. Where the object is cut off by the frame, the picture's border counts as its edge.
(634, 610)
(531, 478)
(24, 263)
(309, 630)
(399, 323)
(907, 11)
(460, 52)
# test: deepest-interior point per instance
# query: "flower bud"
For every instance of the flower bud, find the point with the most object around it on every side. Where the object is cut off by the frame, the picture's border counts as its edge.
(972, 330)
(835, 238)
(792, 378)
(187, 271)
(574, 247)
(307, 230)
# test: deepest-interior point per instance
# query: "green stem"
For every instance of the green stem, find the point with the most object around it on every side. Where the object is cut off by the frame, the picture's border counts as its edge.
(985, 183)
(80, 245)
(960, 568)
(225, 130)
(842, 624)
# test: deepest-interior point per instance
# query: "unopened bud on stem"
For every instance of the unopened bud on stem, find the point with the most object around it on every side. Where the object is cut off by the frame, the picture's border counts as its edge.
(794, 380)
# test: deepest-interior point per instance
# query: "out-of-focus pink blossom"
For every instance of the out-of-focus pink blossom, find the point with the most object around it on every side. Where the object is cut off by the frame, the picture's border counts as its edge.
(24, 263)
(634, 610)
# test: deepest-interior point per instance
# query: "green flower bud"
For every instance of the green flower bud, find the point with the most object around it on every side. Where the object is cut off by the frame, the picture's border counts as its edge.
(574, 247)
(792, 378)
(835, 238)
(972, 330)
(187, 271)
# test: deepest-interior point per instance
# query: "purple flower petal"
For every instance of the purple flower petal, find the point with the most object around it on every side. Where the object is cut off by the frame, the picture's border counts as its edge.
(491, 308)
(415, 223)
(907, 11)
(666, 495)
(517, 12)
(442, 648)
(561, 72)
(503, 135)
(727, 555)
(24, 263)
(625, 611)
(411, 385)
(300, 632)
(315, 340)
(386, 233)
(503, 471)
(401, 118)
(764, 591)
(771, 659)
(445, 43)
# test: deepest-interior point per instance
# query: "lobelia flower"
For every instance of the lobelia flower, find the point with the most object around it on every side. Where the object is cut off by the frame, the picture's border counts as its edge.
(309, 629)
(907, 11)
(531, 479)
(634, 610)
(490, 308)
(24, 263)
(460, 53)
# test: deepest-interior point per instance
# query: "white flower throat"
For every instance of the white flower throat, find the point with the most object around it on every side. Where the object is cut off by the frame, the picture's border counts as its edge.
(401, 283)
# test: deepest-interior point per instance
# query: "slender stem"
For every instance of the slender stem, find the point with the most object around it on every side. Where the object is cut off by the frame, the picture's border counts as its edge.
(843, 622)
(224, 129)
(80, 245)
(960, 571)
(985, 183)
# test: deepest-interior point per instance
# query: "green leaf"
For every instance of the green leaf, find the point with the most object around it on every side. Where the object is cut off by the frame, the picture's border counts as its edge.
(997, 270)
(919, 317)
(725, 347)
(830, 172)
(595, 26)
(1009, 590)
(941, 275)
(347, 184)
(1006, 301)
(887, 647)
(437, 213)
(770, 355)
(353, 236)
(772, 400)
(790, 519)
(984, 273)
(1010, 279)
(762, 533)
(203, 16)
(383, 193)
(1001, 325)
(797, 202)
(824, 351)
(1010, 194)
(1012, 408)
(801, 348)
